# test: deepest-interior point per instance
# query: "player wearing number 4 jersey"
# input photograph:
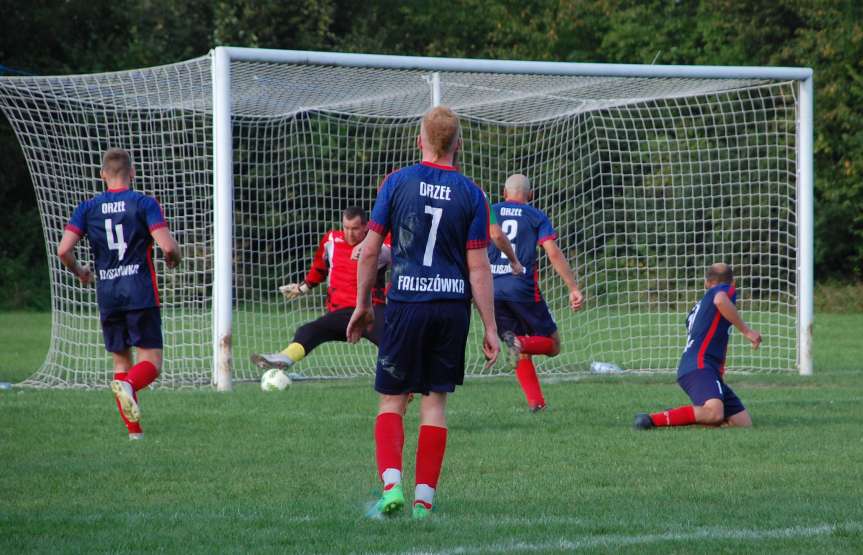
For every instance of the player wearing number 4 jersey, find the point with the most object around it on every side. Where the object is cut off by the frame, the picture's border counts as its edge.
(701, 372)
(522, 316)
(121, 225)
(439, 224)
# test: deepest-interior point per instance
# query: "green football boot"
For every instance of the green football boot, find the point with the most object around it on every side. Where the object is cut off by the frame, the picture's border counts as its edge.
(391, 501)
(420, 512)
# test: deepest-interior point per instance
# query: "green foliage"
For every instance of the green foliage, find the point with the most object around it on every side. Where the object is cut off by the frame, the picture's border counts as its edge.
(51, 37)
(824, 35)
(300, 25)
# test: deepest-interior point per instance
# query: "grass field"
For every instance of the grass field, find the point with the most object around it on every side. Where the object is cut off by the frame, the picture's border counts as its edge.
(294, 472)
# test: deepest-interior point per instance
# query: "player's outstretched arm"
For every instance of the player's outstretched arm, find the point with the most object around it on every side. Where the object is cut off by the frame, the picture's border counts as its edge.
(501, 241)
(367, 268)
(481, 284)
(66, 253)
(316, 275)
(561, 266)
(729, 312)
(169, 246)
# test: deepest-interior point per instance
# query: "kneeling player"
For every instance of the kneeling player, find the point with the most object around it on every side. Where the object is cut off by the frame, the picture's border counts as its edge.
(702, 365)
(336, 262)
(522, 316)
(121, 225)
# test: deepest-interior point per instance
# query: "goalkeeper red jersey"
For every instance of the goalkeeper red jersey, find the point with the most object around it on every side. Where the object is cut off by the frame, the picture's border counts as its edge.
(333, 264)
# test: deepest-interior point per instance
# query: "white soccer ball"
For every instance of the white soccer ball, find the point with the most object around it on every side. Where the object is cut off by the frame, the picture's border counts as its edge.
(275, 380)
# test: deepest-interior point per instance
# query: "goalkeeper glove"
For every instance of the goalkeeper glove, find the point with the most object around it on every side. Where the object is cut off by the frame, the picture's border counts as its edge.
(293, 290)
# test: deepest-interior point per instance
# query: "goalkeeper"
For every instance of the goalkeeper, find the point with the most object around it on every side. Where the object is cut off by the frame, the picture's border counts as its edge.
(336, 263)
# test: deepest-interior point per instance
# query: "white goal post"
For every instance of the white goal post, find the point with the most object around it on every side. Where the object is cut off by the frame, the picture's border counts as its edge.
(648, 172)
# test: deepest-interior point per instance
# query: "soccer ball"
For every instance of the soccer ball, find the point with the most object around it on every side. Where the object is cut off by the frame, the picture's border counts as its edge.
(275, 380)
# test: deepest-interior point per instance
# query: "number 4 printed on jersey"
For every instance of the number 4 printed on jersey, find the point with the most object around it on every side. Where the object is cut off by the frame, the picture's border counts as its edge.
(115, 244)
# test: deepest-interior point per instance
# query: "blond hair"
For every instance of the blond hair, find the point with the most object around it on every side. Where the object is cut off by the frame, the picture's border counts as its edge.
(117, 163)
(440, 130)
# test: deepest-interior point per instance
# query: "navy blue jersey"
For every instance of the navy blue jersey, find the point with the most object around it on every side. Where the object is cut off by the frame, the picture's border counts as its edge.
(435, 215)
(707, 334)
(526, 228)
(118, 224)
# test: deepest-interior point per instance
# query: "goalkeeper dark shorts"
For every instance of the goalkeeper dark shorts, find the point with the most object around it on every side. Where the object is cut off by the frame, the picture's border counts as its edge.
(422, 349)
(333, 326)
(704, 384)
(132, 328)
(524, 318)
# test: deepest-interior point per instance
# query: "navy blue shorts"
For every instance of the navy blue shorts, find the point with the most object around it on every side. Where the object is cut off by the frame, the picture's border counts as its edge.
(422, 348)
(132, 328)
(705, 384)
(524, 318)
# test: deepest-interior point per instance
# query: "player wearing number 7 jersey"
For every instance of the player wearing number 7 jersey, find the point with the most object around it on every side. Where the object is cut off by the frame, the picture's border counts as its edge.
(523, 318)
(121, 225)
(439, 223)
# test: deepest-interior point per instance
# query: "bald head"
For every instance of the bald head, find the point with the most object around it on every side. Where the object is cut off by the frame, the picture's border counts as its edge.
(719, 273)
(517, 187)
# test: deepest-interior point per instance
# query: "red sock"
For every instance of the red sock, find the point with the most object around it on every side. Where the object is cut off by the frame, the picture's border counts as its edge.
(681, 416)
(526, 374)
(536, 345)
(142, 374)
(133, 427)
(389, 441)
(431, 446)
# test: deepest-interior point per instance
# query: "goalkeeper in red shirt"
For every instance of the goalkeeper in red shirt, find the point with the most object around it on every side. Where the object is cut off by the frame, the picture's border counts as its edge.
(336, 263)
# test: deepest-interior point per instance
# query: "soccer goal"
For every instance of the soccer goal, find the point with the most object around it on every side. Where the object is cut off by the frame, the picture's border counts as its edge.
(649, 174)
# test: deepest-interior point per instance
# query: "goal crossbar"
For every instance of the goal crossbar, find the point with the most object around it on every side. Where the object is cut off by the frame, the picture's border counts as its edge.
(649, 171)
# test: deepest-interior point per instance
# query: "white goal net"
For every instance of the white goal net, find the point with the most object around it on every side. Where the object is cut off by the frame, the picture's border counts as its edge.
(647, 181)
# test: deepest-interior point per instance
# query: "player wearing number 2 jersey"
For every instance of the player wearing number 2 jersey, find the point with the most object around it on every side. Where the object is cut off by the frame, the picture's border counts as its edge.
(121, 225)
(439, 224)
(523, 318)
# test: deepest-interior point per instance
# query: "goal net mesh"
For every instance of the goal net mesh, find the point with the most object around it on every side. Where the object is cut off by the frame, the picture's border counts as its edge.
(647, 182)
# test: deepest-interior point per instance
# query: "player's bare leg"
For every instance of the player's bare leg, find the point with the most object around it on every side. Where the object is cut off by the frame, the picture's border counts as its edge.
(431, 447)
(711, 413)
(740, 420)
(122, 361)
(389, 443)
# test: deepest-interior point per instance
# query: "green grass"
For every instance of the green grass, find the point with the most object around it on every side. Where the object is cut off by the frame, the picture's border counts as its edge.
(294, 471)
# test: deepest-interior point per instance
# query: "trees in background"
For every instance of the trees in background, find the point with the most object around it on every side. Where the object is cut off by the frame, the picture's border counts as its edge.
(56, 37)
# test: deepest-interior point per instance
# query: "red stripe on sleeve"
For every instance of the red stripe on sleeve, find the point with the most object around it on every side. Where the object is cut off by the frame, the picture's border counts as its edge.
(376, 227)
(159, 225)
(477, 244)
(551, 237)
(153, 274)
(74, 229)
